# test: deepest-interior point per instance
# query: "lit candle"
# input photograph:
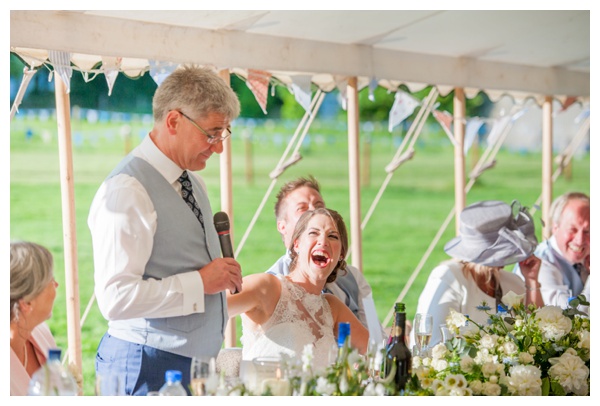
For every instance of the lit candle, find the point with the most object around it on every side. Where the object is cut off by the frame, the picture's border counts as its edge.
(278, 386)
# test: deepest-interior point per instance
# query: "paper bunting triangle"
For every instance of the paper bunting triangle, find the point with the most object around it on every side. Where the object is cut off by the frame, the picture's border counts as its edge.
(62, 65)
(404, 105)
(301, 88)
(341, 82)
(445, 120)
(372, 86)
(473, 126)
(160, 70)
(258, 83)
(497, 129)
(111, 66)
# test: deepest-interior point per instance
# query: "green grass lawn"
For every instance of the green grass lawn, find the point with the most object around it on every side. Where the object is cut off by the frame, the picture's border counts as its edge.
(418, 198)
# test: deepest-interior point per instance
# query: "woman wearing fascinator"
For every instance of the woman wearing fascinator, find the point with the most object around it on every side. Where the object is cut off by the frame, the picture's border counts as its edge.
(493, 235)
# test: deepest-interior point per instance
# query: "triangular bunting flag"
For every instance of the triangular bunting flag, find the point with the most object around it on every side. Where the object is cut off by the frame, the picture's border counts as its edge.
(111, 66)
(341, 82)
(258, 83)
(568, 102)
(404, 105)
(499, 126)
(445, 120)
(473, 126)
(160, 70)
(372, 86)
(62, 65)
(301, 88)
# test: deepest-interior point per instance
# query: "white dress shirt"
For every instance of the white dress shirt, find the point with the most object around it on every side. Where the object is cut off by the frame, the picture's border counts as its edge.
(448, 288)
(122, 221)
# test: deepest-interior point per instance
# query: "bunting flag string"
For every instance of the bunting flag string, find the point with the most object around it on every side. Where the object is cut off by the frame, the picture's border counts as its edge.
(301, 89)
(258, 83)
(160, 70)
(62, 65)
(404, 105)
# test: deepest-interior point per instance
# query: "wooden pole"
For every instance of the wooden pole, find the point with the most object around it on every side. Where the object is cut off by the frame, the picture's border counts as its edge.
(459, 154)
(65, 150)
(227, 207)
(546, 165)
(354, 172)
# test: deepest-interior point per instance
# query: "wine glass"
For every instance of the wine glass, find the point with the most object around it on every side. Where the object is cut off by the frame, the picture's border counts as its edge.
(446, 334)
(423, 330)
(199, 373)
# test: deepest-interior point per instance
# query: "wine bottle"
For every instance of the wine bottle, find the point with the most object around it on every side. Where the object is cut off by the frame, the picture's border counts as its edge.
(398, 357)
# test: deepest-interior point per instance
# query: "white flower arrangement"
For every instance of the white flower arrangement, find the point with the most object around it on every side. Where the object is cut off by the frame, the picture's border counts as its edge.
(526, 352)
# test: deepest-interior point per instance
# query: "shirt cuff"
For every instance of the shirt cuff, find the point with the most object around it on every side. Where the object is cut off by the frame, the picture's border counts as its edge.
(193, 292)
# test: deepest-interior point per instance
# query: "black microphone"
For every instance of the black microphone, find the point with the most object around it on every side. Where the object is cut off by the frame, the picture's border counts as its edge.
(221, 220)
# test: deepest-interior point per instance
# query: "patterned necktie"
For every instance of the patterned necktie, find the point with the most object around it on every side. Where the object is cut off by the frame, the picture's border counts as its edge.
(188, 196)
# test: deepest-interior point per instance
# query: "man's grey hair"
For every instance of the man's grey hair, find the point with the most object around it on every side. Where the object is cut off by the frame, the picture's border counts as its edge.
(558, 205)
(196, 91)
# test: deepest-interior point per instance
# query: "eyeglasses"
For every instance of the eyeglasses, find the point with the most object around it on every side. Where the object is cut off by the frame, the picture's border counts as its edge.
(212, 139)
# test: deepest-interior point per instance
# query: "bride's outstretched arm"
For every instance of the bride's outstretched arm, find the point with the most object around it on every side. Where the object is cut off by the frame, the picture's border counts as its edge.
(359, 335)
(258, 298)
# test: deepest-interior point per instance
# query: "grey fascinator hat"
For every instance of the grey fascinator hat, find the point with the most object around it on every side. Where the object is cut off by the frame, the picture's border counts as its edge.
(493, 233)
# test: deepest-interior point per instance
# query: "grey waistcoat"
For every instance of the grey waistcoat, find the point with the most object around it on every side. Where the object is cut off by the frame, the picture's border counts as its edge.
(180, 245)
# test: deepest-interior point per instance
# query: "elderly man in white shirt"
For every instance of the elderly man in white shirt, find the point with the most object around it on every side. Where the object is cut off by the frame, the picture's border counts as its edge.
(565, 270)
(159, 277)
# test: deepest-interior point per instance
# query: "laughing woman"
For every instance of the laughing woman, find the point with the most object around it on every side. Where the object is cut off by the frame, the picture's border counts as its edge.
(282, 314)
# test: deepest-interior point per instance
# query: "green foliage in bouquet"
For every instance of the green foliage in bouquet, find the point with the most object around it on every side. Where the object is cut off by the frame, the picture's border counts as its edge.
(522, 351)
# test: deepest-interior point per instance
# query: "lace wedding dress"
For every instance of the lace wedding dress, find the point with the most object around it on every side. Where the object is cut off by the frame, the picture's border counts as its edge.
(300, 318)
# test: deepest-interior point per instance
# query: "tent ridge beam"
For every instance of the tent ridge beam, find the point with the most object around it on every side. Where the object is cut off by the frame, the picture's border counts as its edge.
(71, 31)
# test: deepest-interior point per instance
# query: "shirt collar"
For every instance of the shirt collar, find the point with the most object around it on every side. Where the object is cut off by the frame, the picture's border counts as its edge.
(165, 166)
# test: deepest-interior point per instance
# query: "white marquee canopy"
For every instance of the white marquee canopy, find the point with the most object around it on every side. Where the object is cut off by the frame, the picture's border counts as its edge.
(541, 54)
(523, 53)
